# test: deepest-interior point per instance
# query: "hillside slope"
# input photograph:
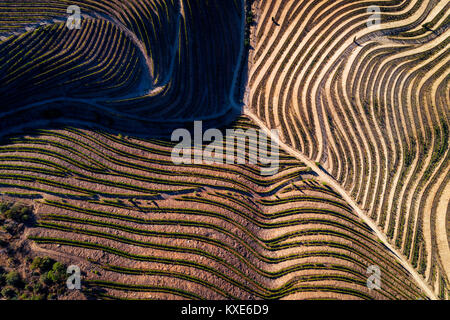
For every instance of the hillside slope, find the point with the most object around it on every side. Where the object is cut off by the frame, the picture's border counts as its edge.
(371, 104)
(149, 229)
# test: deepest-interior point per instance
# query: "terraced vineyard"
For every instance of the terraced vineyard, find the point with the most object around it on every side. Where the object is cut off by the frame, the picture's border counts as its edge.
(207, 232)
(362, 111)
(371, 104)
(125, 68)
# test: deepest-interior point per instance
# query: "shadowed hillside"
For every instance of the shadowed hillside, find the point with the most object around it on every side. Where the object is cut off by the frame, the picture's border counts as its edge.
(141, 67)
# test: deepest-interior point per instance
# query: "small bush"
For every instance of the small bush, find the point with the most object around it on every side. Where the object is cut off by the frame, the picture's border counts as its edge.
(42, 264)
(17, 211)
(46, 278)
(13, 279)
(29, 287)
(24, 296)
(55, 276)
(58, 272)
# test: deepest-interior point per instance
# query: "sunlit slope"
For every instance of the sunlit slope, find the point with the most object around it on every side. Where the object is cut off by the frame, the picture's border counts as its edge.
(371, 104)
(152, 229)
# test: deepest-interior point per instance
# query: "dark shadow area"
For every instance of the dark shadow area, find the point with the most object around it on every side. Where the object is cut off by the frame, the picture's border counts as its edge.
(199, 86)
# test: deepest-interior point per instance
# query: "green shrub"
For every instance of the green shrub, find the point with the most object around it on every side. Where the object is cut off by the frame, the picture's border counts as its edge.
(29, 287)
(46, 278)
(52, 277)
(24, 296)
(13, 279)
(58, 272)
(37, 287)
(42, 264)
(56, 275)
(36, 263)
(58, 267)
(17, 212)
(7, 213)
